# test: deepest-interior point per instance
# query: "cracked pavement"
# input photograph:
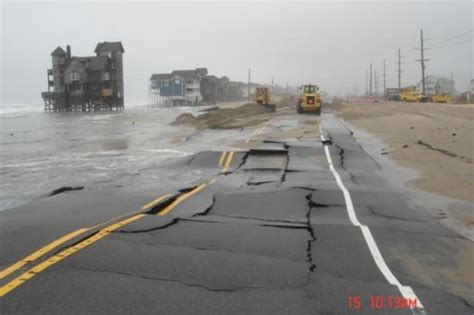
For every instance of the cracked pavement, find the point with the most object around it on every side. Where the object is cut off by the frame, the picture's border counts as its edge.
(270, 235)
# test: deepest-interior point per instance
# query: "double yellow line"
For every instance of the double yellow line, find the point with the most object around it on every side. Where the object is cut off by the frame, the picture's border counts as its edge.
(257, 131)
(63, 254)
(69, 251)
(224, 162)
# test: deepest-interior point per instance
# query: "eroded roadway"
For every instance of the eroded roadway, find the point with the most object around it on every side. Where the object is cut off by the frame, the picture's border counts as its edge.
(270, 231)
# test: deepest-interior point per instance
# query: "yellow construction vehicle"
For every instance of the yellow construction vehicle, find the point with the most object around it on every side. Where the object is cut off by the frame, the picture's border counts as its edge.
(310, 100)
(264, 98)
(412, 95)
(441, 98)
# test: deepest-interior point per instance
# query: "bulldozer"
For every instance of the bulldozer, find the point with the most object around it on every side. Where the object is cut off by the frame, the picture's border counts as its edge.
(264, 98)
(309, 100)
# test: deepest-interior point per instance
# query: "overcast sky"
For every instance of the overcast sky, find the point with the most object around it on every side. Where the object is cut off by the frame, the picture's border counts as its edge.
(328, 43)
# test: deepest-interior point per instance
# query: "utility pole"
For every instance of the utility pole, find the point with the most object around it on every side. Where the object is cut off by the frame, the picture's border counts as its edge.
(452, 85)
(422, 61)
(376, 83)
(248, 89)
(384, 79)
(366, 83)
(370, 80)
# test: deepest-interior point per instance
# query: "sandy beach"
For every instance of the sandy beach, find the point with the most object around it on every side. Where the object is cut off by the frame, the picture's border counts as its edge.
(434, 140)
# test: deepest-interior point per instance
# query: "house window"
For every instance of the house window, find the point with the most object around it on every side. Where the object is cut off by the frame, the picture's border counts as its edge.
(112, 65)
(105, 76)
(190, 82)
(75, 76)
(75, 87)
(94, 86)
(166, 82)
(177, 81)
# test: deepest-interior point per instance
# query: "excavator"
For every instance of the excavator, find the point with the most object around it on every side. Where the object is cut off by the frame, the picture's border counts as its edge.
(309, 100)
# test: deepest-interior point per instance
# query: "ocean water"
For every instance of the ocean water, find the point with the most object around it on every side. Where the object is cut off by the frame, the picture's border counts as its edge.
(40, 152)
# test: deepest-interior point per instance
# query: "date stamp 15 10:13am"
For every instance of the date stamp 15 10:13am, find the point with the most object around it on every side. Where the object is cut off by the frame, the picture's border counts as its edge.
(355, 302)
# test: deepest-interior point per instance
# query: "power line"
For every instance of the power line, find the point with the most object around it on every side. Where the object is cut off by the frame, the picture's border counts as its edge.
(463, 41)
(464, 34)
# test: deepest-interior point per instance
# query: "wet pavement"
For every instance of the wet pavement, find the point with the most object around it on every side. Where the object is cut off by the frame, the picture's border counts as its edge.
(268, 231)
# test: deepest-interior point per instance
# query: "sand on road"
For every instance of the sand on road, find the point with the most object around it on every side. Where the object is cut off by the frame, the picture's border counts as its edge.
(437, 140)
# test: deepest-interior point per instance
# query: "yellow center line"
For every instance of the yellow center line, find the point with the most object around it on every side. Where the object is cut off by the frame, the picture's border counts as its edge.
(221, 160)
(43, 250)
(229, 160)
(183, 197)
(257, 131)
(40, 252)
(154, 202)
(63, 254)
(225, 156)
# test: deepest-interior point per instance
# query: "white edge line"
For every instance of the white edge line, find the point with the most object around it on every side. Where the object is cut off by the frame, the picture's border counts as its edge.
(406, 291)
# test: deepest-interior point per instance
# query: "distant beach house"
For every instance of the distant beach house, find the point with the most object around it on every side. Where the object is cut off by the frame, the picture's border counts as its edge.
(192, 87)
(180, 87)
(86, 83)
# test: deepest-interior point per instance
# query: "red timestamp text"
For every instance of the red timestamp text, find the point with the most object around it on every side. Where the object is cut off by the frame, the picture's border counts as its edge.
(355, 302)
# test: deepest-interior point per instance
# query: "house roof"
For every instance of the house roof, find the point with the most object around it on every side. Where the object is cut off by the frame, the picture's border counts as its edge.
(161, 76)
(202, 71)
(58, 52)
(186, 74)
(109, 46)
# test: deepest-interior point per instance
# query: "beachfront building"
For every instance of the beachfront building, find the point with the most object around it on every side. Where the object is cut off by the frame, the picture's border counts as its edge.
(92, 83)
(180, 87)
(435, 85)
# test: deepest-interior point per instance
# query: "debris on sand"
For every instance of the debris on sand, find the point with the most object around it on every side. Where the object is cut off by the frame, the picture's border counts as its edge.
(185, 119)
(222, 118)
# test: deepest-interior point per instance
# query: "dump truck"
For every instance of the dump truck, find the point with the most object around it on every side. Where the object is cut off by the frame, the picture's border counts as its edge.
(309, 100)
(412, 95)
(263, 97)
(441, 98)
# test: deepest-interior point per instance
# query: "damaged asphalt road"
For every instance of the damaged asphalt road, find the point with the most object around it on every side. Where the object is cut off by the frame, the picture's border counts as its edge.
(270, 233)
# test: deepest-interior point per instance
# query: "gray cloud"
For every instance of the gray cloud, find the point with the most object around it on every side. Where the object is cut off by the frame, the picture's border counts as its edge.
(327, 43)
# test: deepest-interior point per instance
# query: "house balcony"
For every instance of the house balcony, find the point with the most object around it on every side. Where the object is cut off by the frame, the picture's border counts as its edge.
(192, 85)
